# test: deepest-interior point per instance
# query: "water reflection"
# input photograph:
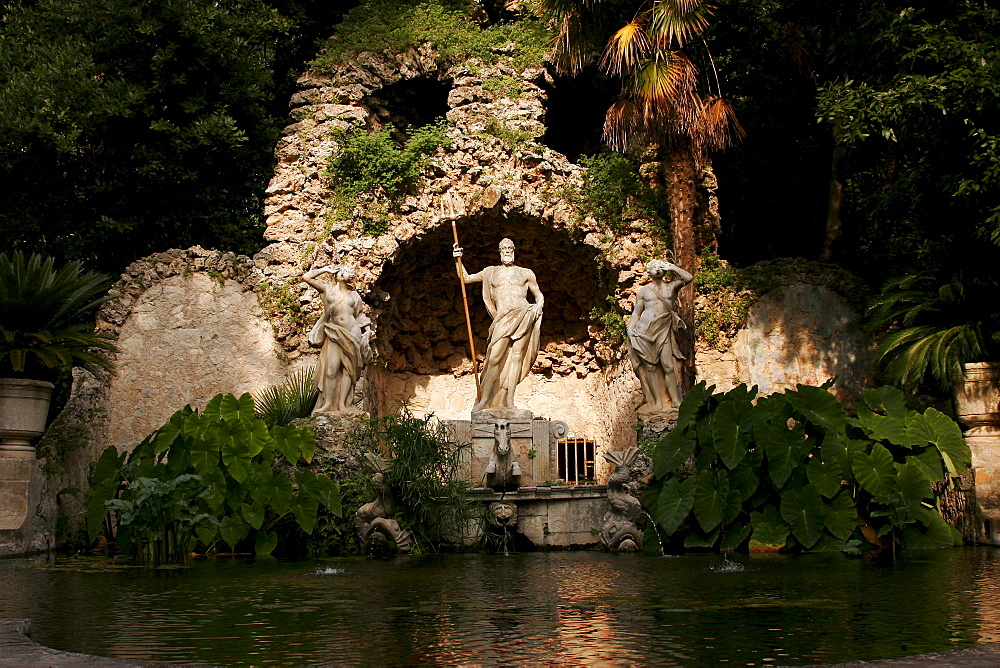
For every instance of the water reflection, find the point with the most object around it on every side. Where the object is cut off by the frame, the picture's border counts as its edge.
(561, 608)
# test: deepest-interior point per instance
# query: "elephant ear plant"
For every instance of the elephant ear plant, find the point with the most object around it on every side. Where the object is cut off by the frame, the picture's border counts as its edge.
(222, 475)
(794, 472)
(46, 317)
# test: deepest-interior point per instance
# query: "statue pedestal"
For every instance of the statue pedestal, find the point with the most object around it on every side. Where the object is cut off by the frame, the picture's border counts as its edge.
(532, 443)
(22, 530)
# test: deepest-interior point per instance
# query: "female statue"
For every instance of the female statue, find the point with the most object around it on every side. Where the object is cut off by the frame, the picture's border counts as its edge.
(652, 342)
(344, 332)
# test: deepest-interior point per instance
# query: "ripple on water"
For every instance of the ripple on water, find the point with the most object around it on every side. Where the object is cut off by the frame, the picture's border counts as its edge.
(542, 608)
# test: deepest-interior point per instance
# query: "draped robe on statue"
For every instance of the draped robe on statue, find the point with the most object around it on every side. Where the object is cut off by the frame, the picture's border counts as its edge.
(354, 351)
(514, 335)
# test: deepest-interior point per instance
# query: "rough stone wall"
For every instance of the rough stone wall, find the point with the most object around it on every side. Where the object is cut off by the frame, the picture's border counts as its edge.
(407, 275)
(803, 334)
(188, 327)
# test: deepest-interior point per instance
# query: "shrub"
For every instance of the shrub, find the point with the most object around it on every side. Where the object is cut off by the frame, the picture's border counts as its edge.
(614, 195)
(201, 478)
(794, 472)
(420, 469)
(370, 162)
(293, 399)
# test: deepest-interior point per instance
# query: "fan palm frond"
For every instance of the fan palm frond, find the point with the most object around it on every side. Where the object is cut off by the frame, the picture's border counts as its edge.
(46, 314)
(934, 329)
(667, 80)
(628, 47)
(673, 23)
(293, 399)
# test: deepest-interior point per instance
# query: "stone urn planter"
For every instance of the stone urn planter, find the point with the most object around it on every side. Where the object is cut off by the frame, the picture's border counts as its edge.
(978, 398)
(977, 401)
(24, 407)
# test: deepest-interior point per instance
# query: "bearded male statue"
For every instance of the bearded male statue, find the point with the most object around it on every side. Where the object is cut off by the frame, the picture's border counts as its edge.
(516, 328)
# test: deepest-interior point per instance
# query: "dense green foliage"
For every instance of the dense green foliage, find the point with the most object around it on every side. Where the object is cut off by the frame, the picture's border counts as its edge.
(380, 25)
(219, 475)
(906, 89)
(370, 171)
(421, 470)
(614, 195)
(47, 316)
(370, 162)
(934, 328)
(794, 472)
(130, 127)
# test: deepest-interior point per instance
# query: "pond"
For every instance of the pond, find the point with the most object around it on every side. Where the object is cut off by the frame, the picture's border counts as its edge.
(551, 608)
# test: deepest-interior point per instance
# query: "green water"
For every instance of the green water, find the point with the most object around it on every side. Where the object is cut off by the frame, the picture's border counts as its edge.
(555, 608)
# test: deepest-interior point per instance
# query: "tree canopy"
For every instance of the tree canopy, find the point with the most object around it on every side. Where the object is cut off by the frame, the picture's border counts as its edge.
(128, 127)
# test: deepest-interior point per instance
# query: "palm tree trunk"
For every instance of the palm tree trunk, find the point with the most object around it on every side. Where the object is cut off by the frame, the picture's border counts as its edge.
(680, 175)
(834, 224)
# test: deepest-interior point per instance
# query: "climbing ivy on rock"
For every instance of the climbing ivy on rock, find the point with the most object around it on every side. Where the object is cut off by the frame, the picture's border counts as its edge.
(794, 472)
(201, 478)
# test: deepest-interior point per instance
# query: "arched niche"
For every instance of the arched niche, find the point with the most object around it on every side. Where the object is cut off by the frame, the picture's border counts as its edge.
(422, 349)
(408, 102)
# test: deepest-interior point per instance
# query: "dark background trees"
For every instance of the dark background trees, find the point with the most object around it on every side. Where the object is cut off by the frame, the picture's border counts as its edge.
(130, 126)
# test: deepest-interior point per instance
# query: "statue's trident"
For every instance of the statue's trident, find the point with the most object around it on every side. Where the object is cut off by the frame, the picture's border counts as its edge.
(453, 208)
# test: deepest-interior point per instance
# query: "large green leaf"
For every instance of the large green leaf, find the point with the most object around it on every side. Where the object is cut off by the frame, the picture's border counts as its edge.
(673, 504)
(282, 493)
(818, 406)
(930, 462)
(265, 542)
(887, 400)
(233, 530)
(710, 496)
(745, 479)
(294, 442)
(105, 478)
(940, 430)
(885, 428)
(258, 438)
(213, 409)
(732, 423)
(234, 444)
(769, 530)
(875, 471)
(913, 484)
(841, 517)
(672, 451)
(696, 538)
(232, 408)
(168, 433)
(204, 454)
(305, 508)
(784, 449)
(253, 514)
(935, 533)
(826, 477)
(804, 511)
(206, 533)
(733, 507)
(734, 536)
(692, 402)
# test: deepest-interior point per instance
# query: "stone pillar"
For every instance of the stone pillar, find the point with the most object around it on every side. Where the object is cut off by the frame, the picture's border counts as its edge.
(978, 403)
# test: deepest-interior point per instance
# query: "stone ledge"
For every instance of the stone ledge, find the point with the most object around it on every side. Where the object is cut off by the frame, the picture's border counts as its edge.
(553, 493)
(17, 649)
